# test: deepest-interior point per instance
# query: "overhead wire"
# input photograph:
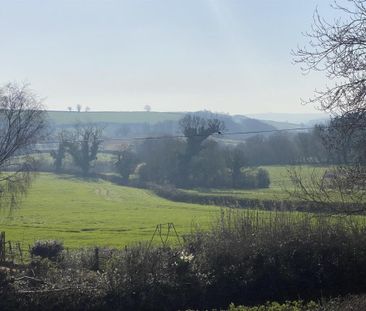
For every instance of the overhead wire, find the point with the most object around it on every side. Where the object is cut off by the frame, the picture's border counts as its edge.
(219, 134)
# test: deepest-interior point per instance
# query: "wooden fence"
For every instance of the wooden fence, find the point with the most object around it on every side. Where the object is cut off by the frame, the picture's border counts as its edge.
(13, 251)
(95, 258)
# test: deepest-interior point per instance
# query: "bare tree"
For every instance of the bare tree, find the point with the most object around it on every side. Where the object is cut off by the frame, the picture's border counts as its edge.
(338, 188)
(83, 145)
(197, 129)
(147, 108)
(78, 108)
(338, 48)
(22, 121)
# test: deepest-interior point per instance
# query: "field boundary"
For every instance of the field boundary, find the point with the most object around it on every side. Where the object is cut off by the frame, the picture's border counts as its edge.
(169, 192)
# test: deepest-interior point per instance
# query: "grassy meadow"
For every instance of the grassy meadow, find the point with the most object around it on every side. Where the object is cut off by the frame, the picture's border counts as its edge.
(88, 213)
(95, 212)
(279, 188)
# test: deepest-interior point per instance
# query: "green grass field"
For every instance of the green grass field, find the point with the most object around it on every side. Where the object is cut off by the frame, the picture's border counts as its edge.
(88, 213)
(278, 189)
(94, 212)
(121, 117)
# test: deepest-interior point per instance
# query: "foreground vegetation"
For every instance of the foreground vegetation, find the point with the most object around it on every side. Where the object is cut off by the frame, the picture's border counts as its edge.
(351, 303)
(238, 260)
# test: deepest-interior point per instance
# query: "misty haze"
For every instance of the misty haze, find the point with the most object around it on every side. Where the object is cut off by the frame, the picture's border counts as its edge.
(183, 155)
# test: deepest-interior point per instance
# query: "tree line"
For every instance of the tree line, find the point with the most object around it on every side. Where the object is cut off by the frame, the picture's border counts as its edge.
(195, 161)
(198, 160)
(202, 157)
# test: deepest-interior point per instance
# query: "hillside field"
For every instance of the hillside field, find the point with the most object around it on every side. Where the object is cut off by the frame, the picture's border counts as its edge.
(279, 189)
(95, 212)
(89, 213)
(136, 117)
(121, 117)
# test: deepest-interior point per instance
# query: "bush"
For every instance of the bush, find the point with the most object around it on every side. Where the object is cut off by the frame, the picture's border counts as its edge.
(50, 249)
(351, 303)
(254, 178)
(250, 259)
(245, 258)
(263, 180)
(7, 292)
(275, 306)
(47, 285)
(143, 278)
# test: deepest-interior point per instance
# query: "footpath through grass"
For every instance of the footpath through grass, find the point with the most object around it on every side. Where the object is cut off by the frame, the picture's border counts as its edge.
(89, 213)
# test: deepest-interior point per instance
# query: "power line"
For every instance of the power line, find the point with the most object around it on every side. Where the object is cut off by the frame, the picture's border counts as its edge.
(216, 134)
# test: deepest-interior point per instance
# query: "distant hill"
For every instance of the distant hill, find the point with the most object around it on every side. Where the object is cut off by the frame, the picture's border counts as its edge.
(295, 118)
(120, 117)
(283, 125)
(141, 123)
(273, 124)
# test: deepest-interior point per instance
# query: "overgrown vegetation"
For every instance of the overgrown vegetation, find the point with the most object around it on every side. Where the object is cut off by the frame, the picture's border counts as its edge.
(242, 259)
(49, 249)
(351, 303)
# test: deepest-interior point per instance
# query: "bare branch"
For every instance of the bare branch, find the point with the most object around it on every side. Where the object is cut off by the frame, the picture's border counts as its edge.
(22, 121)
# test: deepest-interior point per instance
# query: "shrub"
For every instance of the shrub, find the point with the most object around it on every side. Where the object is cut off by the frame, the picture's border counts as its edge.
(244, 258)
(263, 178)
(93, 259)
(250, 259)
(50, 249)
(275, 306)
(7, 293)
(351, 303)
(47, 285)
(143, 278)
(254, 178)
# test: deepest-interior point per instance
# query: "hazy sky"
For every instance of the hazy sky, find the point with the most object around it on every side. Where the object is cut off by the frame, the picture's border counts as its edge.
(175, 55)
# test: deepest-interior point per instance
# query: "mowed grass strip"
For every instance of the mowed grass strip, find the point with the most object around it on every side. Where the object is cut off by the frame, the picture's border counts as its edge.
(94, 212)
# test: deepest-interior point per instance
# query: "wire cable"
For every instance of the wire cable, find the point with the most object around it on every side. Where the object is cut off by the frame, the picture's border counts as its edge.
(220, 134)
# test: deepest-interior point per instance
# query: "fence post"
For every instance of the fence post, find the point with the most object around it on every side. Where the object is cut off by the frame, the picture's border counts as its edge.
(20, 252)
(2, 247)
(96, 258)
(30, 251)
(11, 251)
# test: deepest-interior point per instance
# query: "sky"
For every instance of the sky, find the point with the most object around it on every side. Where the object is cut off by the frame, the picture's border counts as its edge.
(231, 56)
